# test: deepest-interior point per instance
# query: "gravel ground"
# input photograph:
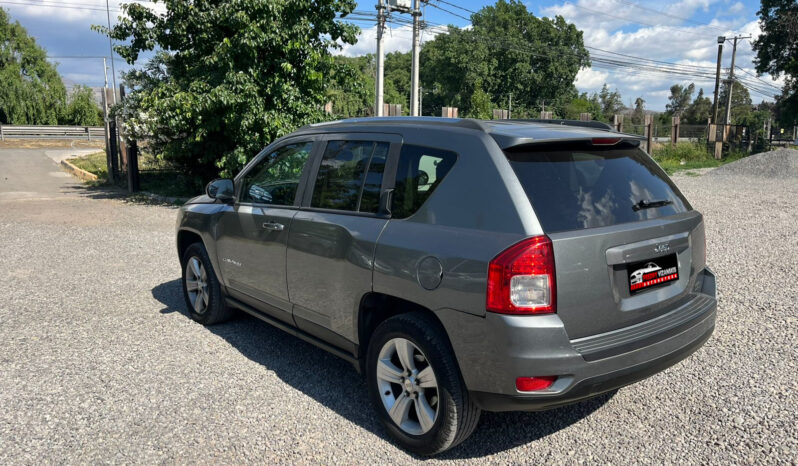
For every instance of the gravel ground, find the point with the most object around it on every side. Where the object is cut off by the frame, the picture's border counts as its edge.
(100, 363)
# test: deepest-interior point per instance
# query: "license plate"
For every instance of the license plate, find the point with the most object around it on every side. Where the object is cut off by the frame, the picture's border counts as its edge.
(653, 272)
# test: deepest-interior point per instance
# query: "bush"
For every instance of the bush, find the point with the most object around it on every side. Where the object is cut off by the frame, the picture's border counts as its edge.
(687, 151)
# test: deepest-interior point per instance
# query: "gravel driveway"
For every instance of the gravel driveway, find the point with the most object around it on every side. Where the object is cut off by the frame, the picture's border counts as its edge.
(100, 363)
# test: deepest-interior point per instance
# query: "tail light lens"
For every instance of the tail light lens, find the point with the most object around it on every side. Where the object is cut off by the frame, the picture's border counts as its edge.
(533, 384)
(521, 279)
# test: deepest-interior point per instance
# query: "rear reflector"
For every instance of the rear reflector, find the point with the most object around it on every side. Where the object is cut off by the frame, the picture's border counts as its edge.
(605, 141)
(521, 279)
(533, 384)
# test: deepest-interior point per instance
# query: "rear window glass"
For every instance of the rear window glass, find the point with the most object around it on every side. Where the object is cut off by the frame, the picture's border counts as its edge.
(581, 186)
(419, 172)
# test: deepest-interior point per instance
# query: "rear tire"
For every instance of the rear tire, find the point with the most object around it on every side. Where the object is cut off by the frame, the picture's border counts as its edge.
(432, 383)
(201, 288)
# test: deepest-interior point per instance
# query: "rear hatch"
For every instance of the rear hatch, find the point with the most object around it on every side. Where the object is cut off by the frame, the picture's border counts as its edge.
(627, 244)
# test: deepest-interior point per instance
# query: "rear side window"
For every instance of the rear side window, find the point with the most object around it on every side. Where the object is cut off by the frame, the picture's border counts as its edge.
(419, 172)
(350, 176)
(578, 186)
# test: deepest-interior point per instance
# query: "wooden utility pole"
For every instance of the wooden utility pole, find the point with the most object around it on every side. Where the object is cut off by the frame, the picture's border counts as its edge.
(721, 40)
(731, 78)
(617, 123)
(674, 130)
(416, 51)
(378, 104)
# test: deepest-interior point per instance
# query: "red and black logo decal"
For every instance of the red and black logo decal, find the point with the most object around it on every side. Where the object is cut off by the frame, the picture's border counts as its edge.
(659, 271)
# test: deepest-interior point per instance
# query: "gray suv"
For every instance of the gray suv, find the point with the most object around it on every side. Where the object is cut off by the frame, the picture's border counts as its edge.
(462, 265)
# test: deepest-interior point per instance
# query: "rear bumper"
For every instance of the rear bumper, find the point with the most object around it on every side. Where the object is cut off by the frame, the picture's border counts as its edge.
(507, 347)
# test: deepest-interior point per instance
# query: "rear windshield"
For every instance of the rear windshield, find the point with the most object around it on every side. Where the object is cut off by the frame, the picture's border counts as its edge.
(583, 186)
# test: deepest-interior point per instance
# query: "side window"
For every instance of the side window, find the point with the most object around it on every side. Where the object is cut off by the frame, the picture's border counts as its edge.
(420, 171)
(276, 178)
(350, 176)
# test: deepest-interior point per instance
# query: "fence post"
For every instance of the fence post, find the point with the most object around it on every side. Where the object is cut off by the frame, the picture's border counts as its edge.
(617, 122)
(545, 115)
(133, 167)
(674, 130)
(584, 117)
(649, 123)
(2, 137)
(500, 114)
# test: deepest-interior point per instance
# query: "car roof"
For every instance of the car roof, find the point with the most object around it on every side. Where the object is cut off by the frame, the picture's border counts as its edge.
(507, 133)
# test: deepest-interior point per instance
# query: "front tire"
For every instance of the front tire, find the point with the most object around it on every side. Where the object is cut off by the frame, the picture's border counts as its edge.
(415, 385)
(201, 288)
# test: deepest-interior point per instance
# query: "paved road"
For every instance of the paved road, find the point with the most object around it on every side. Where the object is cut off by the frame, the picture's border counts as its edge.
(100, 363)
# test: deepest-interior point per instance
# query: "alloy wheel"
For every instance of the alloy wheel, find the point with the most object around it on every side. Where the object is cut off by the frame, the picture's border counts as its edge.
(408, 387)
(197, 284)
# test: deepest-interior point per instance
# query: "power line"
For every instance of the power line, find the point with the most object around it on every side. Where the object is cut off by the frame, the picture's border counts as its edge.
(758, 79)
(450, 12)
(457, 6)
(635, 21)
(698, 23)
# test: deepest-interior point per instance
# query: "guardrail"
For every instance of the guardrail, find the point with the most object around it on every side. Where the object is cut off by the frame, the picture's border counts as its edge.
(51, 132)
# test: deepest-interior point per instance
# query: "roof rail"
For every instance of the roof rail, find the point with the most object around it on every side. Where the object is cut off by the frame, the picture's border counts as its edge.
(587, 124)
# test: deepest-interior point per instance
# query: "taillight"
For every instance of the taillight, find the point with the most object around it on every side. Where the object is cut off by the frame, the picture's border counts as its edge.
(521, 279)
(533, 384)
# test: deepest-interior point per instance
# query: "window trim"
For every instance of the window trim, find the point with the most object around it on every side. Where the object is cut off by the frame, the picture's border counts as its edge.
(388, 176)
(314, 139)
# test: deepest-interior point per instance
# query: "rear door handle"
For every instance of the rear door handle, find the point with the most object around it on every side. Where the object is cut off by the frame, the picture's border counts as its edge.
(273, 226)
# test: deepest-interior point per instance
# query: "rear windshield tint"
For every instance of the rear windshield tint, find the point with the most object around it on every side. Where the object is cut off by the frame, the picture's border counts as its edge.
(583, 186)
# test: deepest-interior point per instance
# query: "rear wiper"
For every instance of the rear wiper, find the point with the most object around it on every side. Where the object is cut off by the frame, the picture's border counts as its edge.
(644, 204)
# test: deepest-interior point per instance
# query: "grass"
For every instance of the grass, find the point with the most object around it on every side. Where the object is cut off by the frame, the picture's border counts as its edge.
(689, 155)
(155, 176)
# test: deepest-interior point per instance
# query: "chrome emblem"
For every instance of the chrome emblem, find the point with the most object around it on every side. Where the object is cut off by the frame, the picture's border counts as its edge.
(662, 247)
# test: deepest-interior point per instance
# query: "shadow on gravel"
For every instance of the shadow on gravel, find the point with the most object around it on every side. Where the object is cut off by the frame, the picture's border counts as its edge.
(335, 384)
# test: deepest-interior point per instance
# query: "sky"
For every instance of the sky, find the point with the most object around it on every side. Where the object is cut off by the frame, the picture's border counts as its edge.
(682, 32)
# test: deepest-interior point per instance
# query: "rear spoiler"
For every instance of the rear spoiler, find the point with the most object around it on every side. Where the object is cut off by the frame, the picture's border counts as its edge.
(586, 124)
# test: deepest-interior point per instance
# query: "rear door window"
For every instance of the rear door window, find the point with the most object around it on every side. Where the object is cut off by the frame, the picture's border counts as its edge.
(350, 176)
(420, 170)
(578, 186)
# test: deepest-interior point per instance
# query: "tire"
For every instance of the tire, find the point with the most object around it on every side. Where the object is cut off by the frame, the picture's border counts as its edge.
(204, 300)
(456, 416)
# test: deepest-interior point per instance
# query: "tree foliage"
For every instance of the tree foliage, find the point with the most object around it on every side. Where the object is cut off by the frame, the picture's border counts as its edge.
(31, 91)
(777, 51)
(506, 51)
(679, 99)
(699, 111)
(639, 113)
(82, 109)
(233, 76)
(741, 106)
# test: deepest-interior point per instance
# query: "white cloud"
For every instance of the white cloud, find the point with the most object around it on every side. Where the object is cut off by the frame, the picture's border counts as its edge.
(76, 10)
(736, 8)
(619, 27)
(590, 79)
(395, 39)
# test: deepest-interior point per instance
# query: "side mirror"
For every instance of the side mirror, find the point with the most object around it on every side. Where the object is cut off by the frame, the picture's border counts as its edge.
(221, 189)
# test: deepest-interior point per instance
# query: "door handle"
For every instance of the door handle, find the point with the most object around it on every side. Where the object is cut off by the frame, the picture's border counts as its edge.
(273, 226)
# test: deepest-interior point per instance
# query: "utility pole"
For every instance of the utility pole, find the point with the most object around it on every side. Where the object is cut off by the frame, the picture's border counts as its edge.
(416, 49)
(111, 46)
(731, 78)
(380, 57)
(721, 40)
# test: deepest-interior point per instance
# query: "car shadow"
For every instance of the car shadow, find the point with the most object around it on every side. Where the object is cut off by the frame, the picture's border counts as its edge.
(336, 384)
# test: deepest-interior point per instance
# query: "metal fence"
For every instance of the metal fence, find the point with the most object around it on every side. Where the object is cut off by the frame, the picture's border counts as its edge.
(52, 132)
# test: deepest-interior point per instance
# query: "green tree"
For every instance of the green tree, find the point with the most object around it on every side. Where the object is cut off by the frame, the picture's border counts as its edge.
(235, 75)
(611, 103)
(509, 51)
(700, 110)
(639, 113)
(82, 109)
(582, 104)
(352, 91)
(741, 106)
(679, 99)
(777, 52)
(480, 105)
(31, 91)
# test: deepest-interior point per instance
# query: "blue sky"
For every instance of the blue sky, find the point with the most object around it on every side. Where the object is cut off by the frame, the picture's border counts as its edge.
(677, 31)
